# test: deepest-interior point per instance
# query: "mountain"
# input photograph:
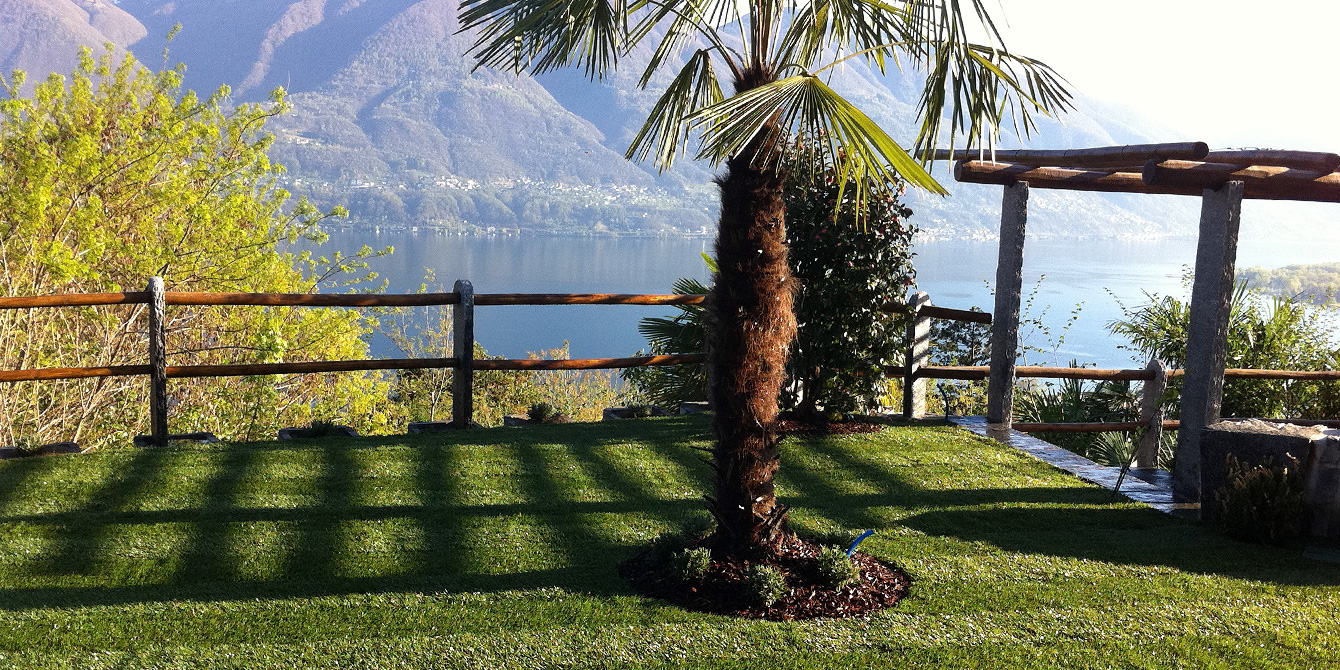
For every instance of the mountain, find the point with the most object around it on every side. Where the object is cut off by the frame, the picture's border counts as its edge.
(391, 120)
(42, 36)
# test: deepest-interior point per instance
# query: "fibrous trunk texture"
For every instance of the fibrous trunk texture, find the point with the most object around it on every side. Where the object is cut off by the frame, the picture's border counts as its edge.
(752, 321)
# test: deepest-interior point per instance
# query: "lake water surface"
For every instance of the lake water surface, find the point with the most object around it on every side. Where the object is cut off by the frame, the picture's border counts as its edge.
(1062, 273)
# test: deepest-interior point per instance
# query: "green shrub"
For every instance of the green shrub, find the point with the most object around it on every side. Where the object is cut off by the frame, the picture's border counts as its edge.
(542, 412)
(322, 428)
(849, 257)
(836, 567)
(641, 411)
(1265, 503)
(691, 564)
(27, 445)
(665, 545)
(699, 526)
(764, 584)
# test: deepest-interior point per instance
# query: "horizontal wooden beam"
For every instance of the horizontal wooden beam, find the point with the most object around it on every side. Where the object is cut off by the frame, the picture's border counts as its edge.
(974, 172)
(1096, 427)
(1104, 157)
(313, 299)
(1260, 182)
(1212, 175)
(937, 312)
(75, 300)
(348, 299)
(72, 373)
(1171, 424)
(1303, 160)
(1298, 375)
(192, 371)
(1080, 373)
(482, 299)
(305, 367)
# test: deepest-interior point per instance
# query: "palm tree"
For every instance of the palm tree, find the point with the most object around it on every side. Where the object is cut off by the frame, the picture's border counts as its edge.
(772, 53)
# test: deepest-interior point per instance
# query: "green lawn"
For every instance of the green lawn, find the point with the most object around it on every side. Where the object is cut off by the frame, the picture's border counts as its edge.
(497, 548)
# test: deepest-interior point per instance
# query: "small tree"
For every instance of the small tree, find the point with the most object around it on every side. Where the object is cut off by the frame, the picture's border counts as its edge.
(850, 258)
(115, 175)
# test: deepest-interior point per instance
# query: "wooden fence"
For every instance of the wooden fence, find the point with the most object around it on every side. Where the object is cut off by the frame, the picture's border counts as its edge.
(463, 301)
(1155, 376)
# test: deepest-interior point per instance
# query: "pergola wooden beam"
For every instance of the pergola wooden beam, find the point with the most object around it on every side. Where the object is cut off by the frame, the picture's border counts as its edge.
(1260, 182)
(1166, 177)
(1104, 157)
(977, 172)
(1303, 160)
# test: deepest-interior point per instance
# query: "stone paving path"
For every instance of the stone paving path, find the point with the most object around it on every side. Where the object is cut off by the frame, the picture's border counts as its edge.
(1151, 487)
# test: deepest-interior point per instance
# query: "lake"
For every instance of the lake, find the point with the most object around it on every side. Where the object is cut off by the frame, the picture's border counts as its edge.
(1058, 273)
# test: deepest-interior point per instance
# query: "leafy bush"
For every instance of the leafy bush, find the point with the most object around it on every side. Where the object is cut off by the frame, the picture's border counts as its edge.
(835, 567)
(641, 411)
(541, 412)
(115, 174)
(1274, 333)
(849, 258)
(1265, 503)
(322, 428)
(691, 564)
(27, 445)
(686, 333)
(764, 584)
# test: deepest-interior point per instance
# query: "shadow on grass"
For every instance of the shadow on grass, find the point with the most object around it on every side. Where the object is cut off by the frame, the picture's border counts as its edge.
(453, 557)
(1124, 535)
(580, 501)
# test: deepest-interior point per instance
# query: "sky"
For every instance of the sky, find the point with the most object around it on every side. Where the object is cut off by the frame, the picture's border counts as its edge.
(1226, 72)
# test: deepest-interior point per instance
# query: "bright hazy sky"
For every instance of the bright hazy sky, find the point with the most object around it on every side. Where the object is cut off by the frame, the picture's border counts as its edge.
(1228, 72)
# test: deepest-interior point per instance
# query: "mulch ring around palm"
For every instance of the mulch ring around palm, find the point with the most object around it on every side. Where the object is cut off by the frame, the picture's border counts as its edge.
(789, 426)
(721, 589)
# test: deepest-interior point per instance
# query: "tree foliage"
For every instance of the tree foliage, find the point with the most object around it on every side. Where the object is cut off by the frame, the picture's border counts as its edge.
(1319, 282)
(1264, 333)
(850, 258)
(115, 175)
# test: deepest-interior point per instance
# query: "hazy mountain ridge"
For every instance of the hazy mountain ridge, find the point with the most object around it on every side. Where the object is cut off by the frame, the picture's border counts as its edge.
(390, 120)
(44, 36)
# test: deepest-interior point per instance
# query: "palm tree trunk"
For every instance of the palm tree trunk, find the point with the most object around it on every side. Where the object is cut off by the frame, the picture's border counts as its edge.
(752, 325)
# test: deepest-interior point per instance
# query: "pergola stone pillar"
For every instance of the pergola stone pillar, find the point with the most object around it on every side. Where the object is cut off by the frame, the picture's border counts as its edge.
(1207, 337)
(1005, 318)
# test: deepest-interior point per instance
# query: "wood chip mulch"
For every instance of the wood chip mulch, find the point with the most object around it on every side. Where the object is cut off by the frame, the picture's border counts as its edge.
(720, 591)
(790, 427)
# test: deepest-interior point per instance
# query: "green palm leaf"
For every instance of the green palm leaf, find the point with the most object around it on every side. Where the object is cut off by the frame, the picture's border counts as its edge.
(542, 35)
(805, 104)
(694, 88)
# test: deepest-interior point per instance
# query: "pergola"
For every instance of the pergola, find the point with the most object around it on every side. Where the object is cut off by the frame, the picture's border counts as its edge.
(1222, 179)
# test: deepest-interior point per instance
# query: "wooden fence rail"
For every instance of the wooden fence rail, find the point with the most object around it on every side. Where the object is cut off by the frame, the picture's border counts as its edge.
(463, 300)
(1151, 422)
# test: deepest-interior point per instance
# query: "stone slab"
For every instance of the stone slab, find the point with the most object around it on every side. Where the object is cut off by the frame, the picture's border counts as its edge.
(1154, 490)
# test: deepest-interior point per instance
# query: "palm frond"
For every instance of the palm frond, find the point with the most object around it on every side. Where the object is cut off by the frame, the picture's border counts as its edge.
(979, 86)
(542, 35)
(804, 104)
(694, 88)
(687, 19)
(822, 26)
